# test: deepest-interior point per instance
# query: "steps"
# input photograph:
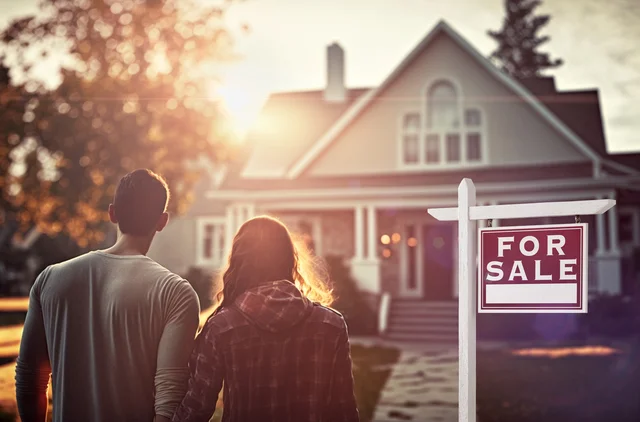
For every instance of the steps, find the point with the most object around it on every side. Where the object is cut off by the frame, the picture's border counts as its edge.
(423, 322)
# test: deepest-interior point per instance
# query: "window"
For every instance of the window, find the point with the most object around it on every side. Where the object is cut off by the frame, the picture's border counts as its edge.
(210, 238)
(453, 148)
(411, 137)
(432, 149)
(442, 106)
(447, 134)
(472, 117)
(411, 149)
(626, 227)
(473, 147)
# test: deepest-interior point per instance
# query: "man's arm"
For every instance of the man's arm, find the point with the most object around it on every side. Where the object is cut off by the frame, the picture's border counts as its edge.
(205, 383)
(33, 368)
(342, 401)
(174, 349)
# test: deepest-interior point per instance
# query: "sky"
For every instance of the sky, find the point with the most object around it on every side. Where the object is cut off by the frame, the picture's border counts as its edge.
(285, 47)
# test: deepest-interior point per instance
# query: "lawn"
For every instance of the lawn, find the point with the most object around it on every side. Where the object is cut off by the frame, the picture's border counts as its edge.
(572, 388)
(523, 388)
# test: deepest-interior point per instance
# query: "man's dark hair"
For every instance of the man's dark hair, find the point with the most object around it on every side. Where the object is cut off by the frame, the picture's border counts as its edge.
(140, 199)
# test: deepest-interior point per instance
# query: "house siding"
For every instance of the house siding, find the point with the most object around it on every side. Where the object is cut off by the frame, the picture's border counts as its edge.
(175, 246)
(516, 134)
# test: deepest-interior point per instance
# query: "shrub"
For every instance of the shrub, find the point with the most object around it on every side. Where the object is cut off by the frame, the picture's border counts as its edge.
(513, 327)
(350, 301)
(6, 416)
(612, 316)
(202, 282)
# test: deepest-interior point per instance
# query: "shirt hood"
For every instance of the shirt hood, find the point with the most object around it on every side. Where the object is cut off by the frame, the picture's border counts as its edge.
(274, 307)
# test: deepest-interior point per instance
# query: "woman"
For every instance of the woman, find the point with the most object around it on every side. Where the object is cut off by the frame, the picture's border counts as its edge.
(283, 356)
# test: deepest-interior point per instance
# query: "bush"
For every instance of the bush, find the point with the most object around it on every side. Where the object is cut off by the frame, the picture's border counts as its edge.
(202, 282)
(6, 416)
(612, 316)
(502, 327)
(350, 301)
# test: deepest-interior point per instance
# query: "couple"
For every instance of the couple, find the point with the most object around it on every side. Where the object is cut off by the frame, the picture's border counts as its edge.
(116, 331)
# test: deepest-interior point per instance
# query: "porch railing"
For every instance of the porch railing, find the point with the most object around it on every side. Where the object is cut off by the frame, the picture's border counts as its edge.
(383, 312)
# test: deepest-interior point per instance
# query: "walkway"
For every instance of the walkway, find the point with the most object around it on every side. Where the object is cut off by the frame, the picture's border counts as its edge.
(423, 386)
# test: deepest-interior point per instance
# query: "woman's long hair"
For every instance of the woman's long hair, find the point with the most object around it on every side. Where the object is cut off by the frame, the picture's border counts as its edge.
(264, 250)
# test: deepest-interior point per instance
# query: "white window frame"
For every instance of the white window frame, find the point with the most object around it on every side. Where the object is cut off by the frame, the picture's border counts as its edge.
(462, 131)
(218, 254)
(293, 221)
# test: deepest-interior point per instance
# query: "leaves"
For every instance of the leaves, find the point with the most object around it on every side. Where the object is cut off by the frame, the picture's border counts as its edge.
(131, 96)
(518, 41)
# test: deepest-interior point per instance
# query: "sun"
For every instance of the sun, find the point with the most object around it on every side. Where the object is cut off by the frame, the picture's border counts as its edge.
(241, 105)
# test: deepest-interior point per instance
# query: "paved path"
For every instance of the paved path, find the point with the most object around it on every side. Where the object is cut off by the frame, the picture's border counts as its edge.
(423, 386)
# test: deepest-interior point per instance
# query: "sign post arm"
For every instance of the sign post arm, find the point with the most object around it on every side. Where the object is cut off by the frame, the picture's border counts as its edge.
(466, 304)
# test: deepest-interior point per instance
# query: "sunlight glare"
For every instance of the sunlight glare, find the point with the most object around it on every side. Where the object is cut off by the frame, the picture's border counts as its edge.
(567, 351)
(241, 105)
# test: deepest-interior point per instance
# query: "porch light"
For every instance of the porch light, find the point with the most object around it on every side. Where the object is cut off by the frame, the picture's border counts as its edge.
(412, 242)
(395, 238)
(384, 239)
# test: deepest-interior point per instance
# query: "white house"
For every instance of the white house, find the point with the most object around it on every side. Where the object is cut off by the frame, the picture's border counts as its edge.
(357, 169)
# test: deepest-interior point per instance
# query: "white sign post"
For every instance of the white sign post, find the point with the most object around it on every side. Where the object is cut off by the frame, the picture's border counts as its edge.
(467, 213)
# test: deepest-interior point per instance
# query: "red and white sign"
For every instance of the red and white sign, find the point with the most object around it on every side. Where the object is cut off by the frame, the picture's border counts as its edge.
(533, 269)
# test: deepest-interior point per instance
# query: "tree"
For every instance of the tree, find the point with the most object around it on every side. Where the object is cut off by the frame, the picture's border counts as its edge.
(131, 95)
(518, 41)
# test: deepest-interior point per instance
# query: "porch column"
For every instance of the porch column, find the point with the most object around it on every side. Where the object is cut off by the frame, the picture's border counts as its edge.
(251, 211)
(608, 262)
(614, 244)
(372, 229)
(229, 226)
(359, 232)
(365, 268)
(601, 234)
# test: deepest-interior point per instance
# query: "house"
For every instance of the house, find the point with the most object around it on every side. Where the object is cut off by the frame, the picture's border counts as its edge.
(356, 169)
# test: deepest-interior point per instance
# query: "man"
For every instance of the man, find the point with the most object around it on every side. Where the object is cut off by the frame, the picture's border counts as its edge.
(116, 327)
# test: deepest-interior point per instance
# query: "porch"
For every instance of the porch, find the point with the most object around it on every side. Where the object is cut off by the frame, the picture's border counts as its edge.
(393, 246)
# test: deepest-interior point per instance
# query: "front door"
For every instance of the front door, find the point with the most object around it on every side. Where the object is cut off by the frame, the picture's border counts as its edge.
(438, 261)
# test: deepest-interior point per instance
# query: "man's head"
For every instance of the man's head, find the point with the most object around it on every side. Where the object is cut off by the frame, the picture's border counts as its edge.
(140, 203)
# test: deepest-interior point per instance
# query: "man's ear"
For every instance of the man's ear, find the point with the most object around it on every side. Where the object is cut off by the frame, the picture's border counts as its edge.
(112, 214)
(162, 221)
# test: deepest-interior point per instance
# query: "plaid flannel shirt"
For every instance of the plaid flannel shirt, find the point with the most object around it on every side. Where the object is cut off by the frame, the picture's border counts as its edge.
(280, 358)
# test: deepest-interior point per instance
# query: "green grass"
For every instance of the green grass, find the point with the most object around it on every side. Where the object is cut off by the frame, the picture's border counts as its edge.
(371, 368)
(573, 388)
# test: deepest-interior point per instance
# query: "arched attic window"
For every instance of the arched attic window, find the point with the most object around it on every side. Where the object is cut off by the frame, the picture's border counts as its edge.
(442, 106)
(444, 133)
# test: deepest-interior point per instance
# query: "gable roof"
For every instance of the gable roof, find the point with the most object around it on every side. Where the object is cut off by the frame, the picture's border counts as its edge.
(358, 107)
(289, 124)
(580, 111)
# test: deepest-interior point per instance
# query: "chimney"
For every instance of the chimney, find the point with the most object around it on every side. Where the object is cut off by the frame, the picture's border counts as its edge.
(335, 92)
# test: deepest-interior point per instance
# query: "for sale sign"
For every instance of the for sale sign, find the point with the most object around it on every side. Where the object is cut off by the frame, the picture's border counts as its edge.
(533, 269)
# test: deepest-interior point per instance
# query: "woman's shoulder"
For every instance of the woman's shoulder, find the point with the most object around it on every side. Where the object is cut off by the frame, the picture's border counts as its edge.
(224, 320)
(328, 315)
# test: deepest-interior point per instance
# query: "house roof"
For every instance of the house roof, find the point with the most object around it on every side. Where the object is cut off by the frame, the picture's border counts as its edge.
(295, 127)
(360, 106)
(581, 112)
(289, 123)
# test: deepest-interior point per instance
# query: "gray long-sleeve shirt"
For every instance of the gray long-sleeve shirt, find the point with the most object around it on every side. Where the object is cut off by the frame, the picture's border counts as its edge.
(115, 332)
